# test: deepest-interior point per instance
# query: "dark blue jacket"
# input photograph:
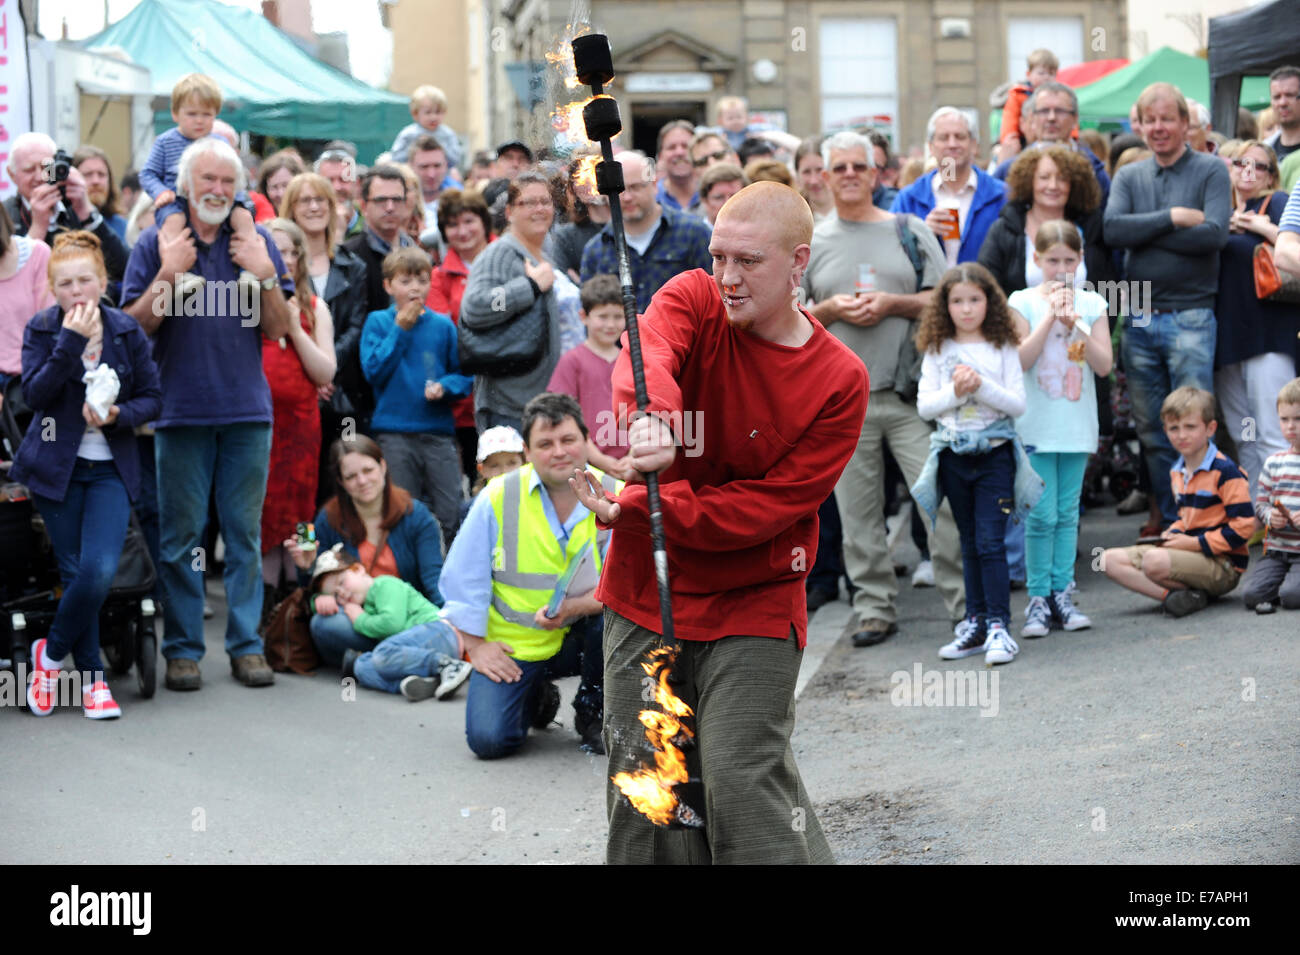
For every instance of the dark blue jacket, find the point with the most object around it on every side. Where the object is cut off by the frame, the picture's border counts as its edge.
(986, 204)
(52, 388)
(416, 542)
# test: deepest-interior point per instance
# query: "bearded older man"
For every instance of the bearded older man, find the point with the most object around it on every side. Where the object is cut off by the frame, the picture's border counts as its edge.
(214, 433)
(781, 402)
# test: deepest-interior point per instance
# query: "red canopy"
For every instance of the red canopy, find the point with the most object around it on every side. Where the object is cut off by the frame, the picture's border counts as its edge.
(1090, 72)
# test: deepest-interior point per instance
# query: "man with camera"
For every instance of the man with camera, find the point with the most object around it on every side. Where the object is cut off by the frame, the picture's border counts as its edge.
(52, 198)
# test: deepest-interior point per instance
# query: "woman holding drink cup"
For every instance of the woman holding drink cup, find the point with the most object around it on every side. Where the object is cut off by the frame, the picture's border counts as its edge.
(79, 457)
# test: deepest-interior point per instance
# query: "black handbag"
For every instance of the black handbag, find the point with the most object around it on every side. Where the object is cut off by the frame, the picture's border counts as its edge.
(509, 345)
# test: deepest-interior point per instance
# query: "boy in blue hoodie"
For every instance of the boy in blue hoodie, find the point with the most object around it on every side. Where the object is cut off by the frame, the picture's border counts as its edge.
(409, 356)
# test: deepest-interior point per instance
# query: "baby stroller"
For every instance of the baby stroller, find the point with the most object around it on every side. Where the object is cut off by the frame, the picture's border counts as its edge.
(30, 586)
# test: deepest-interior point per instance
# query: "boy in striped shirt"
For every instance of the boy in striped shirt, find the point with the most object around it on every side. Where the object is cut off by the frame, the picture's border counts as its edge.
(1276, 577)
(1203, 553)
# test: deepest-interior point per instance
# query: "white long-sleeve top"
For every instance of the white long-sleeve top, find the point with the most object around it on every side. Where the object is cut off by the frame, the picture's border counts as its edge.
(1001, 393)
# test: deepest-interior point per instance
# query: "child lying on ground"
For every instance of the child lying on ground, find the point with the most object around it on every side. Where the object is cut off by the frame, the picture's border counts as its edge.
(417, 654)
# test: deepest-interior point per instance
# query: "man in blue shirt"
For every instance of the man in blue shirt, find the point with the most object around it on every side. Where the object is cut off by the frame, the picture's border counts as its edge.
(214, 432)
(661, 242)
(957, 184)
(507, 695)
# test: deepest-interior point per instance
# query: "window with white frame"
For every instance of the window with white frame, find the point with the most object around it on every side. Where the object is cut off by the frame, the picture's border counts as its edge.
(859, 74)
(1062, 35)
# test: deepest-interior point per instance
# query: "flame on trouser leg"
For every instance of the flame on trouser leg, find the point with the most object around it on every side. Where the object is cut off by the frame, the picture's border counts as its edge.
(650, 789)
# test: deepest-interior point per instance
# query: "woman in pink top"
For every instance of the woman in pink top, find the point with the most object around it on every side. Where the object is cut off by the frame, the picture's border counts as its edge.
(24, 291)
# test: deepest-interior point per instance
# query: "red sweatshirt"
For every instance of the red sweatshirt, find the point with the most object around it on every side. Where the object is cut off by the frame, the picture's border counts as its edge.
(764, 432)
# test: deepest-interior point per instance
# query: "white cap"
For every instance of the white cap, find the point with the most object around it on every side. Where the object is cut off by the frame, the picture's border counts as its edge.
(328, 562)
(499, 439)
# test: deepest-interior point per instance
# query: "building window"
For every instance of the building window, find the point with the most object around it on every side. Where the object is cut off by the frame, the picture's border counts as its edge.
(859, 74)
(1062, 35)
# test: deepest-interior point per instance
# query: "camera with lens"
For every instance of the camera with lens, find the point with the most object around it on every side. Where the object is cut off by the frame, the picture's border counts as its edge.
(56, 169)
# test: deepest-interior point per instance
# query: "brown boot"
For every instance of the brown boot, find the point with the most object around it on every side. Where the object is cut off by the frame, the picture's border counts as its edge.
(252, 670)
(183, 675)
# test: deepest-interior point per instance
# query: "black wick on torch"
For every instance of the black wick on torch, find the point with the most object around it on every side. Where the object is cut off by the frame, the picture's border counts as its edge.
(594, 65)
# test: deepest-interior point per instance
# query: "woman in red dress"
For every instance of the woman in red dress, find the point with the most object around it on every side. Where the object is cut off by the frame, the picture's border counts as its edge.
(295, 366)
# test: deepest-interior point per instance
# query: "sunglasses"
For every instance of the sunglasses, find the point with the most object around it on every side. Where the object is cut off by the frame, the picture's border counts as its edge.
(704, 160)
(860, 168)
(1252, 164)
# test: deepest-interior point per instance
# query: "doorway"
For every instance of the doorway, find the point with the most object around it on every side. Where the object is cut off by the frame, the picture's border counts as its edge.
(648, 117)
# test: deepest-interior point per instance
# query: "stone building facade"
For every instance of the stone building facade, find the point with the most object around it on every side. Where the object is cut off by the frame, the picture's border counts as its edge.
(805, 65)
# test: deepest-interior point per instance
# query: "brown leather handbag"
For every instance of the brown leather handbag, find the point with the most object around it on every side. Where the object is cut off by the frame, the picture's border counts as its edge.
(287, 636)
(1271, 283)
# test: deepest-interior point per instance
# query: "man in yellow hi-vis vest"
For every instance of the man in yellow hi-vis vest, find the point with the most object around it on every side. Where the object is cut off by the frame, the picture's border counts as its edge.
(521, 533)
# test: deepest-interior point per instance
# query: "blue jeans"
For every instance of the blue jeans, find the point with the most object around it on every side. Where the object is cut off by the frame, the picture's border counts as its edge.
(87, 529)
(333, 634)
(1163, 351)
(146, 505)
(229, 461)
(421, 651)
(1015, 543)
(980, 489)
(498, 715)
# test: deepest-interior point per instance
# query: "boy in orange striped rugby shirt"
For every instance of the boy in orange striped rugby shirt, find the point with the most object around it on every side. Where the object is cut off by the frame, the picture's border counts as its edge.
(1203, 553)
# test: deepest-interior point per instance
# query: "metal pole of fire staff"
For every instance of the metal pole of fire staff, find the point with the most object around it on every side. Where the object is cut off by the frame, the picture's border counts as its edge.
(594, 65)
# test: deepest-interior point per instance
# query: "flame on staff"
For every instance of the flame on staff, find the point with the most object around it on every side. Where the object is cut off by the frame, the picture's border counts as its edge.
(568, 119)
(586, 172)
(650, 789)
(562, 56)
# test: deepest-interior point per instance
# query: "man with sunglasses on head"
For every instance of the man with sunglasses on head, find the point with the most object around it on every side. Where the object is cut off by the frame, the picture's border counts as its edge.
(338, 163)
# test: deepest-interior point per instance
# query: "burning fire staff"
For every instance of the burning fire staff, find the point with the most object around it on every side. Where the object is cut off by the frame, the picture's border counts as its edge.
(777, 405)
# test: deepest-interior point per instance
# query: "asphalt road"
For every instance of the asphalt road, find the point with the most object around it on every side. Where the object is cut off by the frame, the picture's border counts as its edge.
(1145, 739)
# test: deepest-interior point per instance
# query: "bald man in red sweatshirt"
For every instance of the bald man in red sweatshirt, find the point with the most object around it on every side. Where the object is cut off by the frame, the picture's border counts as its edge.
(754, 411)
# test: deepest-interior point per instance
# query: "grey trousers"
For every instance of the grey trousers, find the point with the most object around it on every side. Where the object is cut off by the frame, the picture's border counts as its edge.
(428, 466)
(754, 802)
(860, 494)
(1275, 577)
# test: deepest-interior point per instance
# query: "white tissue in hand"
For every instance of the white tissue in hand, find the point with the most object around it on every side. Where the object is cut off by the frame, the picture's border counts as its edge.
(101, 389)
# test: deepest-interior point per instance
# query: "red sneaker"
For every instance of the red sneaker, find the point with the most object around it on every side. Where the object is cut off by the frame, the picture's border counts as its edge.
(43, 684)
(98, 703)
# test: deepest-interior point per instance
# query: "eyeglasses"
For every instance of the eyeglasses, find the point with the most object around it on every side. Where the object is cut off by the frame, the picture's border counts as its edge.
(1054, 111)
(841, 168)
(1252, 164)
(386, 200)
(531, 203)
(703, 161)
(308, 201)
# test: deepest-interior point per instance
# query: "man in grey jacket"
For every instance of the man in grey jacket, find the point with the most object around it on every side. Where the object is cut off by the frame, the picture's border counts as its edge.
(1171, 212)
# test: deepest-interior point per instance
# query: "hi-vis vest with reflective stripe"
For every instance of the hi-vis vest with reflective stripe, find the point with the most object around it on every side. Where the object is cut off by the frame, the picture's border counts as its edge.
(527, 562)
